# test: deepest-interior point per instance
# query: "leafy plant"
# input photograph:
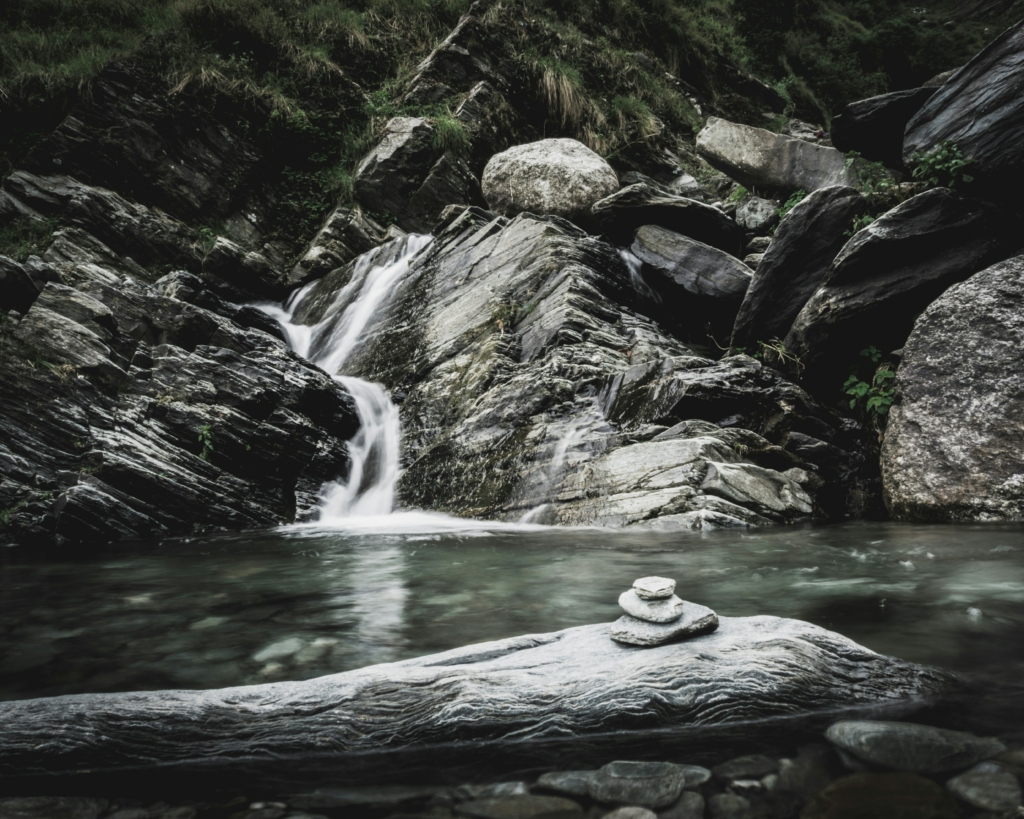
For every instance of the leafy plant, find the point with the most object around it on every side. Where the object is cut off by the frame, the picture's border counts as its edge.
(774, 354)
(872, 177)
(739, 194)
(206, 440)
(858, 224)
(942, 167)
(871, 393)
(791, 203)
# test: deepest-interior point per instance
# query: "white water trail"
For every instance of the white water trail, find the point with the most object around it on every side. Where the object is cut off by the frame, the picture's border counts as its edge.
(369, 489)
(634, 265)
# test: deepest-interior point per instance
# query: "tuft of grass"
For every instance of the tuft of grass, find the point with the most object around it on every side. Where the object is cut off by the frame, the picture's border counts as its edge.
(24, 237)
(449, 133)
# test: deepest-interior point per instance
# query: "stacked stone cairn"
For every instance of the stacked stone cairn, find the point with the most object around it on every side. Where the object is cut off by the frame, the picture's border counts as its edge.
(654, 615)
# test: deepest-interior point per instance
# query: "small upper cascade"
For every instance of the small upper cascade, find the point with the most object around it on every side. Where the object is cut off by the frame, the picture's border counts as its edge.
(369, 488)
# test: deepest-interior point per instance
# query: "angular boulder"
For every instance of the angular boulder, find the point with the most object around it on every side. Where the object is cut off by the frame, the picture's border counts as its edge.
(572, 683)
(558, 177)
(874, 127)
(347, 233)
(760, 159)
(953, 446)
(887, 274)
(620, 214)
(981, 109)
(795, 263)
(757, 214)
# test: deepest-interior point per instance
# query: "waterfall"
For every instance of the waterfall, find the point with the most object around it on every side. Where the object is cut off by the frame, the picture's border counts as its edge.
(369, 489)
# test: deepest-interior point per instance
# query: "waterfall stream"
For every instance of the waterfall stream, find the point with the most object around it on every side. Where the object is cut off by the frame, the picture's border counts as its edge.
(369, 488)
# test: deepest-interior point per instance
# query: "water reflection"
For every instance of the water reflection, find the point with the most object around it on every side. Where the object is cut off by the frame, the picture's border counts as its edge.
(292, 605)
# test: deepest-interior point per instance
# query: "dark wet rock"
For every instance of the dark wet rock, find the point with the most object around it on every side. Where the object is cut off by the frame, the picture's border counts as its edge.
(981, 109)
(560, 177)
(750, 668)
(887, 274)
(757, 214)
(902, 795)
(760, 159)
(906, 746)
(746, 767)
(648, 784)
(570, 783)
(245, 270)
(17, 290)
(795, 264)
(690, 805)
(987, 786)
(521, 807)
(953, 442)
(809, 772)
(694, 268)
(130, 413)
(347, 233)
(622, 213)
(492, 790)
(694, 619)
(631, 813)
(874, 127)
(184, 286)
(51, 807)
(729, 806)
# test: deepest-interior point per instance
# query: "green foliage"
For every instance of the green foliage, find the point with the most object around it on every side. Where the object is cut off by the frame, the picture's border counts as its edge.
(870, 387)
(858, 224)
(739, 194)
(206, 441)
(873, 178)
(794, 200)
(24, 237)
(944, 166)
(449, 134)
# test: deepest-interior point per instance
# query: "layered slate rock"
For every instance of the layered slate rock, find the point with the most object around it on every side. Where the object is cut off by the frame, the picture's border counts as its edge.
(981, 109)
(498, 345)
(795, 263)
(620, 214)
(498, 692)
(560, 177)
(760, 159)
(874, 127)
(906, 746)
(129, 412)
(954, 442)
(347, 233)
(888, 273)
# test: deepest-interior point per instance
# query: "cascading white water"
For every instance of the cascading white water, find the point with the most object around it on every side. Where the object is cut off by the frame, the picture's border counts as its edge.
(369, 489)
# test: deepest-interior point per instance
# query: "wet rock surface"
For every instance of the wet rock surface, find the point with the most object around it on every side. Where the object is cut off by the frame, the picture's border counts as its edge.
(987, 786)
(905, 746)
(952, 449)
(907, 796)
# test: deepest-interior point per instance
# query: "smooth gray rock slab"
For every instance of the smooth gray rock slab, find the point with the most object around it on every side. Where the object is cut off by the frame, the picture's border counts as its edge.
(575, 682)
(561, 177)
(746, 767)
(570, 783)
(690, 805)
(695, 619)
(758, 158)
(521, 807)
(696, 268)
(647, 784)
(987, 786)
(654, 587)
(651, 611)
(906, 746)
(981, 109)
(952, 449)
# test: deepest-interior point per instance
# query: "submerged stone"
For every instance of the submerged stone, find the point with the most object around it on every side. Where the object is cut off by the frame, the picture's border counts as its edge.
(667, 610)
(648, 784)
(690, 805)
(571, 783)
(694, 620)
(746, 767)
(521, 807)
(987, 786)
(890, 795)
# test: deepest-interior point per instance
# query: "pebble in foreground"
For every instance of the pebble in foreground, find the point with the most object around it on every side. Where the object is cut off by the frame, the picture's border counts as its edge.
(655, 615)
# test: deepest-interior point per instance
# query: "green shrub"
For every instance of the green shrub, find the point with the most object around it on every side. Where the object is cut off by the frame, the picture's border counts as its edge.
(870, 387)
(24, 237)
(942, 167)
(449, 134)
(794, 200)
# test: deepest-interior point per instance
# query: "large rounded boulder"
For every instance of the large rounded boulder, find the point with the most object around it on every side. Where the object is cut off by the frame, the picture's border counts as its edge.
(561, 177)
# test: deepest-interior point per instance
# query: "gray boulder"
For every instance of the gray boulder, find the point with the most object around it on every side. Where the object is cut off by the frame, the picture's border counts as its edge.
(874, 127)
(757, 214)
(760, 159)
(561, 177)
(648, 784)
(953, 445)
(347, 233)
(981, 109)
(987, 786)
(622, 213)
(498, 692)
(887, 274)
(17, 290)
(906, 746)
(795, 264)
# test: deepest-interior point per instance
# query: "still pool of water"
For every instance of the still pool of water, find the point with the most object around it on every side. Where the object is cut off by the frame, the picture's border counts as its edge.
(302, 602)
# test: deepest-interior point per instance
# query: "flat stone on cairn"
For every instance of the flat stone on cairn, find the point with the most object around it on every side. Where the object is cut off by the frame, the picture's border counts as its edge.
(654, 615)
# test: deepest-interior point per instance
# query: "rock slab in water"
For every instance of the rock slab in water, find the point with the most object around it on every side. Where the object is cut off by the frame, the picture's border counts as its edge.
(561, 177)
(648, 784)
(571, 783)
(889, 795)
(953, 445)
(906, 746)
(987, 786)
(521, 807)
(666, 610)
(981, 109)
(760, 159)
(654, 587)
(694, 620)
(750, 668)
(795, 263)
